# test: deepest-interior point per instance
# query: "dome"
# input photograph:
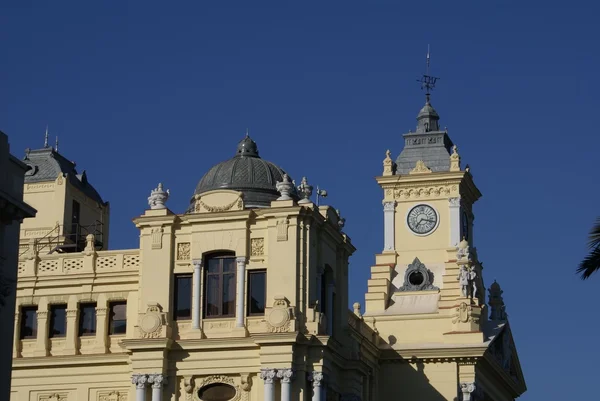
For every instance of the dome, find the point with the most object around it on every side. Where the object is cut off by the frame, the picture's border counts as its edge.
(245, 172)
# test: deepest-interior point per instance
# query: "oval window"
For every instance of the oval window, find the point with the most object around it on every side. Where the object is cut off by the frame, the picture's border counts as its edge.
(216, 392)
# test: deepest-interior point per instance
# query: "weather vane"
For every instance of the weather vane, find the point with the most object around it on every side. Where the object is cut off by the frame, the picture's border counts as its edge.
(427, 81)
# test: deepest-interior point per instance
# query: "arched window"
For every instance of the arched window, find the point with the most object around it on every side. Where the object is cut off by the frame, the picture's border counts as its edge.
(219, 286)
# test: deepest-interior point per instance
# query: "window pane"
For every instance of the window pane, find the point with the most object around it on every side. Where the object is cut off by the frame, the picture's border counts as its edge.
(183, 297)
(58, 321)
(29, 322)
(118, 318)
(228, 294)
(212, 295)
(214, 265)
(87, 319)
(256, 292)
(228, 265)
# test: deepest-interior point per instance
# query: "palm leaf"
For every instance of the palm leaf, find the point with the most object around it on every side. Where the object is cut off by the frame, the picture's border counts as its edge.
(591, 263)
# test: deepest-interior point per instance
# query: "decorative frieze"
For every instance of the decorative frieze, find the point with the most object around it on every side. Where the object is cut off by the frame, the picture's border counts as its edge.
(157, 233)
(112, 395)
(53, 397)
(425, 192)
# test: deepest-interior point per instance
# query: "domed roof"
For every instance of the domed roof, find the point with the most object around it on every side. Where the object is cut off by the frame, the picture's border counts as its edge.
(245, 172)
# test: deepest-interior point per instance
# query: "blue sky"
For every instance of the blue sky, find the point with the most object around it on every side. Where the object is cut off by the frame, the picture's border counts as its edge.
(143, 92)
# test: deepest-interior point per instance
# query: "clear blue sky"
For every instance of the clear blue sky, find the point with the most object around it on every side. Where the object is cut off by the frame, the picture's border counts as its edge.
(160, 91)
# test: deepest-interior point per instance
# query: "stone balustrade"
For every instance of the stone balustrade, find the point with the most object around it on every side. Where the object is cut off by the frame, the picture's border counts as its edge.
(32, 265)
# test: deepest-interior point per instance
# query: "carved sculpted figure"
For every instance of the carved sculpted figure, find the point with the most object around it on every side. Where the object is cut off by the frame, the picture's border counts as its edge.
(473, 282)
(463, 281)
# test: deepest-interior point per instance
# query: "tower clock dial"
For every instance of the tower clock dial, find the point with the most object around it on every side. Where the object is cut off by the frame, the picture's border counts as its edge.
(422, 219)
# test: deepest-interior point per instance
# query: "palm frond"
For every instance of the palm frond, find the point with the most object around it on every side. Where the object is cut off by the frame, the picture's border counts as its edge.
(594, 237)
(590, 264)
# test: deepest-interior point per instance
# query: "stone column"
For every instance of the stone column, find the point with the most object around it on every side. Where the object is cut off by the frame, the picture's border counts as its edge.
(101, 329)
(455, 234)
(158, 380)
(268, 376)
(317, 380)
(196, 300)
(240, 293)
(140, 381)
(285, 376)
(71, 343)
(17, 334)
(389, 211)
(41, 343)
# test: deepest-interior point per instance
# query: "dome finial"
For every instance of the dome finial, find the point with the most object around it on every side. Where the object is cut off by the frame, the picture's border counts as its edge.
(247, 147)
(247, 134)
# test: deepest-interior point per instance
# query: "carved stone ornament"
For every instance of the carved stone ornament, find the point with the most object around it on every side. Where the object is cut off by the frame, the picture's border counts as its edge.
(388, 164)
(420, 168)
(418, 278)
(305, 191)
(454, 159)
(285, 375)
(462, 252)
(152, 322)
(183, 251)
(282, 229)
(463, 313)
(217, 379)
(285, 188)
(215, 209)
(157, 233)
(425, 192)
(280, 316)
(316, 378)
(158, 198)
(257, 246)
(113, 396)
(53, 397)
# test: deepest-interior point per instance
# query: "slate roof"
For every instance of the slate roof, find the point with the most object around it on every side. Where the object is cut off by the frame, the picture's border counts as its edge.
(245, 172)
(428, 143)
(46, 164)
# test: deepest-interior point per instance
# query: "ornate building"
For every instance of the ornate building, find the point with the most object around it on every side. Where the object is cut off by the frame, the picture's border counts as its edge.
(244, 295)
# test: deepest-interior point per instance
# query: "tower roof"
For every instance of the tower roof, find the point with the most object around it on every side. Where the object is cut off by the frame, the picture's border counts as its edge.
(428, 144)
(46, 164)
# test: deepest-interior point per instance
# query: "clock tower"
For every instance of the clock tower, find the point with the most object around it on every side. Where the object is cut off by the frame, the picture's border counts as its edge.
(426, 295)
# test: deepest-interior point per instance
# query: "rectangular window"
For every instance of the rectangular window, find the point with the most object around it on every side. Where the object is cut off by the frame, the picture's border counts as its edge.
(87, 319)
(257, 291)
(117, 321)
(219, 287)
(183, 297)
(58, 321)
(28, 322)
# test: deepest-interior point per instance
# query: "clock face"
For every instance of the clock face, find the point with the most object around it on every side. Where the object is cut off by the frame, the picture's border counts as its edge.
(422, 219)
(465, 225)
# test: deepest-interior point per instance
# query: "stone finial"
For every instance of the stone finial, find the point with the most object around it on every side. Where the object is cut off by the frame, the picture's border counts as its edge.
(462, 252)
(158, 197)
(356, 307)
(341, 221)
(497, 307)
(454, 159)
(90, 243)
(305, 191)
(420, 168)
(388, 164)
(285, 188)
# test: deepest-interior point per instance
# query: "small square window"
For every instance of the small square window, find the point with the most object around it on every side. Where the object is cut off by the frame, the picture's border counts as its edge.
(58, 321)
(87, 319)
(28, 322)
(118, 318)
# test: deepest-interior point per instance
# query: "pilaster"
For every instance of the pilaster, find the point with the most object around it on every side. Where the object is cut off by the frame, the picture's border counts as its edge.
(101, 346)
(17, 334)
(389, 211)
(196, 298)
(41, 344)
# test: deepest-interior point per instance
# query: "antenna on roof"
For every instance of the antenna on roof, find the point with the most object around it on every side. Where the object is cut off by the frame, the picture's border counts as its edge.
(56, 145)
(427, 81)
(46, 138)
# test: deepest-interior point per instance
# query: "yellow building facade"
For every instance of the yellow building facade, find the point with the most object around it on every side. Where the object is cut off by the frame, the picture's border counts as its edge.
(244, 295)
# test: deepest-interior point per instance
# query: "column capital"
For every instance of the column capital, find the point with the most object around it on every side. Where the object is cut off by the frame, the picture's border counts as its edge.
(268, 375)
(158, 380)
(389, 206)
(455, 202)
(241, 260)
(316, 378)
(197, 263)
(469, 391)
(140, 380)
(285, 375)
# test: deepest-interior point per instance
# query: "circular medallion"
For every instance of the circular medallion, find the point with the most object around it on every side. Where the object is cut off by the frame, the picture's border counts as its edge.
(278, 317)
(150, 323)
